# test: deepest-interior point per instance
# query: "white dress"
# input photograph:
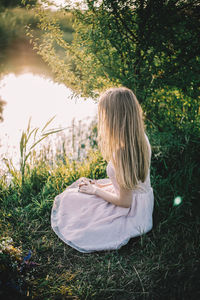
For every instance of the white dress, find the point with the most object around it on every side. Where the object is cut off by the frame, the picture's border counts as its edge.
(89, 223)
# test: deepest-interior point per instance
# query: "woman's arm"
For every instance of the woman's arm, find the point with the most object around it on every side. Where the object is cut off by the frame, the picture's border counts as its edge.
(85, 180)
(100, 185)
(124, 199)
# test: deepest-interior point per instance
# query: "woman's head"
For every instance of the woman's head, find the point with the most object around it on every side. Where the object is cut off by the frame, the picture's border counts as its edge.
(121, 135)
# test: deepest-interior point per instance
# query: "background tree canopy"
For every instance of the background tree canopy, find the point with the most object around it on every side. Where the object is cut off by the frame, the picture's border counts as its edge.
(147, 46)
(13, 3)
(141, 44)
(2, 103)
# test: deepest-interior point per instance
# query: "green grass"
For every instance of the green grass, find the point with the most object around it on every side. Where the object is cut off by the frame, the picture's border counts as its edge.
(163, 264)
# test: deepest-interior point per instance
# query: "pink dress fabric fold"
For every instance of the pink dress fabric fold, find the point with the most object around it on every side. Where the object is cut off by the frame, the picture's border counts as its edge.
(88, 223)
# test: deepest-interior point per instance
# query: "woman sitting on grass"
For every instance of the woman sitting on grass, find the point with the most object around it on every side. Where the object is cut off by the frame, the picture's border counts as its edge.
(104, 214)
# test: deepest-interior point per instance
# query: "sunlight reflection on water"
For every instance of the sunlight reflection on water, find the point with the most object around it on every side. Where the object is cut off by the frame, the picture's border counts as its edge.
(40, 98)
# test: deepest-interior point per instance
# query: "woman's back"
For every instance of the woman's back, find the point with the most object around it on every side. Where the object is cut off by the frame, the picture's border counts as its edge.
(93, 217)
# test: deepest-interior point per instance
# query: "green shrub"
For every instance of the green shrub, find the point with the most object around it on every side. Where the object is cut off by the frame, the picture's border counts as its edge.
(171, 110)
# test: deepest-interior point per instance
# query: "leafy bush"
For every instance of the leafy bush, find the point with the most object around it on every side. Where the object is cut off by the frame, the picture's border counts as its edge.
(171, 110)
(142, 45)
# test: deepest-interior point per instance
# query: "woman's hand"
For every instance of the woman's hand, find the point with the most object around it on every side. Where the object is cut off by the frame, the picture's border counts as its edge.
(88, 188)
(84, 180)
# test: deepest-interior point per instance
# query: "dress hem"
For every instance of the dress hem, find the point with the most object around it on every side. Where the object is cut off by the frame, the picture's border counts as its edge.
(82, 250)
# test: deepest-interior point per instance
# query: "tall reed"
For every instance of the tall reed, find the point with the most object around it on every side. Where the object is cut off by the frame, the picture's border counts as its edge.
(25, 146)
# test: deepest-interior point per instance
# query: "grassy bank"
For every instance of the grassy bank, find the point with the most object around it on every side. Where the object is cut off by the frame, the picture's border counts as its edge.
(163, 264)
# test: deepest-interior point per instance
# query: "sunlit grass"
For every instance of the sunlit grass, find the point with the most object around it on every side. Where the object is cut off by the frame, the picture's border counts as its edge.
(32, 134)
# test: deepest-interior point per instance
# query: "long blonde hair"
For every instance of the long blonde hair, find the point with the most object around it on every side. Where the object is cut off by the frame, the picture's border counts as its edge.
(121, 136)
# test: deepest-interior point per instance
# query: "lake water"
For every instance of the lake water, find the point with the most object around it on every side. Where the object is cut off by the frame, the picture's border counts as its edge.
(28, 95)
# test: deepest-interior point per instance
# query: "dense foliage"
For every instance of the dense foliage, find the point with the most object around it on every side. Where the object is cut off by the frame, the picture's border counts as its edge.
(151, 47)
(144, 45)
(14, 3)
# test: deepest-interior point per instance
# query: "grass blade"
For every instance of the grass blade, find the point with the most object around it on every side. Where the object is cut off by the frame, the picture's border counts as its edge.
(35, 133)
(48, 122)
(30, 134)
(29, 125)
(53, 131)
(38, 142)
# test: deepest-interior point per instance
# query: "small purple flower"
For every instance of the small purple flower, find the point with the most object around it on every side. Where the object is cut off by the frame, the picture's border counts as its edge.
(26, 258)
